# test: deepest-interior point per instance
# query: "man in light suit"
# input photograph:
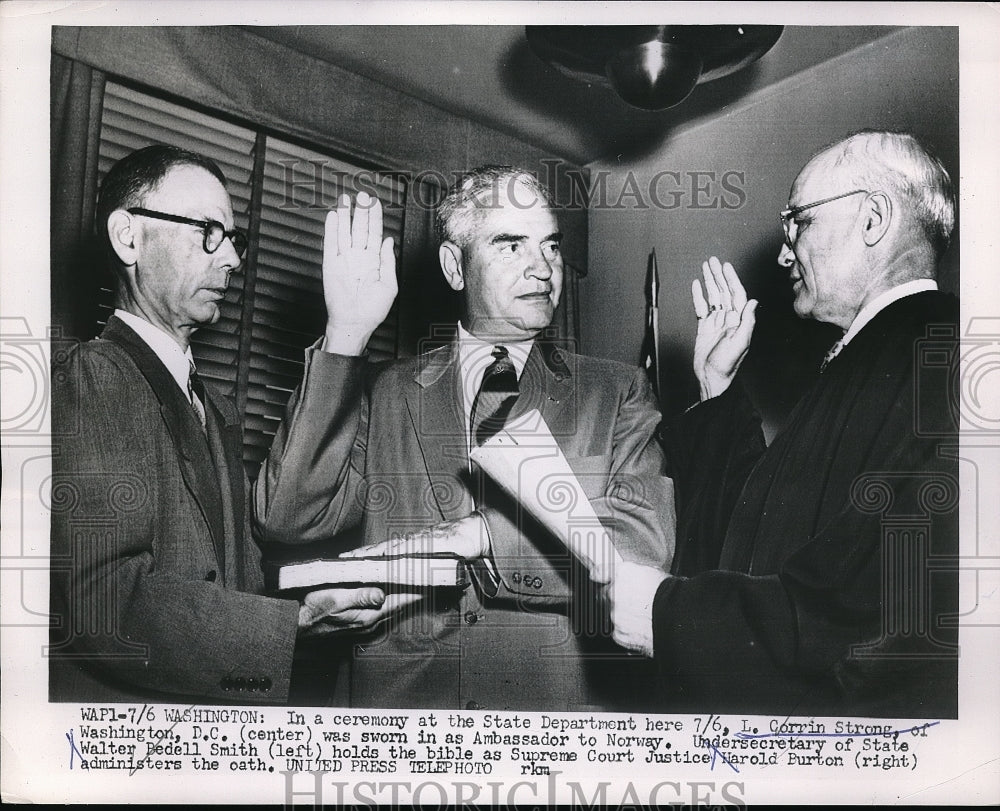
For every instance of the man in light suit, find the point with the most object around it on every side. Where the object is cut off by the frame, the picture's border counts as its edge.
(390, 452)
(835, 592)
(157, 590)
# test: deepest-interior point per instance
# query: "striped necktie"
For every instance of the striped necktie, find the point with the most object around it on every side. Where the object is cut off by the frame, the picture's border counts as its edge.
(497, 394)
(831, 353)
(196, 393)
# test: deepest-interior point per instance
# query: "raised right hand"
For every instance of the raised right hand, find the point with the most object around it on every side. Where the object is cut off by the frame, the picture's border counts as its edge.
(725, 326)
(359, 274)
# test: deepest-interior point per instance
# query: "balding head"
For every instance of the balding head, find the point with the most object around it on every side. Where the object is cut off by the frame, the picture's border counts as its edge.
(898, 164)
(864, 215)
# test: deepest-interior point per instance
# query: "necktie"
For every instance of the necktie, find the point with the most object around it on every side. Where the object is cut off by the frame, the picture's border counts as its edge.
(497, 395)
(196, 392)
(831, 353)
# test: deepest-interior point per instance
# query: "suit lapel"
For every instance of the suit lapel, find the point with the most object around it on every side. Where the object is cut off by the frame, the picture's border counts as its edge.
(232, 454)
(546, 384)
(434, 405)
(197, 467)
(221, 446)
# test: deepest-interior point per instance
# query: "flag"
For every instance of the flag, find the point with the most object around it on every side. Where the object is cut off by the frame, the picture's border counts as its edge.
(650, 359)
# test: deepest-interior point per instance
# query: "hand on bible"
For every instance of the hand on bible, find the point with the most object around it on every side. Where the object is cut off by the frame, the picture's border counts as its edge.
(466, 537)
(359, 274)
(725, 325)
(632, 591)
(329, 610)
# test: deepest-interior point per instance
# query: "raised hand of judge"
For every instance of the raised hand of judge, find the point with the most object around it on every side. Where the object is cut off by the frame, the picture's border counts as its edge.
(359, 274)
(328, 610)
(466, 537)
(725, 324)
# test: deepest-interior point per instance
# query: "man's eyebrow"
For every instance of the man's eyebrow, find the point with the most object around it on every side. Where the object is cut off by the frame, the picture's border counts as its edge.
(506, 238)
(503, 239)
(220, 220)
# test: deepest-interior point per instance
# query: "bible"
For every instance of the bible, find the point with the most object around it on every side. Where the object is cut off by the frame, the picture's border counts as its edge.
(398, 572)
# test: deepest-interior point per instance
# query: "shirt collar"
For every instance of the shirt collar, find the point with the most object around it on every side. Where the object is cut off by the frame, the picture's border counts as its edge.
(178, 361)
(475, 354)
(880, 302)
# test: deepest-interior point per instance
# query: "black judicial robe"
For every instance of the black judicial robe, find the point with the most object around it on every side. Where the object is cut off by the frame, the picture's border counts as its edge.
(835, 576)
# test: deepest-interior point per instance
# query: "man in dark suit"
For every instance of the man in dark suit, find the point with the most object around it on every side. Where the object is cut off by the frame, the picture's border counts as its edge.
(836, 588)
(391, 453)
(157, 590)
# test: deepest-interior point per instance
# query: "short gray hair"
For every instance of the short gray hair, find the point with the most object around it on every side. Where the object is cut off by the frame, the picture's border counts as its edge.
(898, 162)
(477, 191)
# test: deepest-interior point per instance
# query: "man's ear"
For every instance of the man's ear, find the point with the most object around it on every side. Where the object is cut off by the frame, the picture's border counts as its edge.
(450, 257)
(122, 235)
(877, 217)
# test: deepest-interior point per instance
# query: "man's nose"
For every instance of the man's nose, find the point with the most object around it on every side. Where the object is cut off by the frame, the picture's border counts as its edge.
(537, 265)
(229, 260)
(786, 258)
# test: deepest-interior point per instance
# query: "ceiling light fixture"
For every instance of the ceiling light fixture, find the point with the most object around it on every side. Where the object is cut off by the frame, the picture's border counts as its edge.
(652, 67)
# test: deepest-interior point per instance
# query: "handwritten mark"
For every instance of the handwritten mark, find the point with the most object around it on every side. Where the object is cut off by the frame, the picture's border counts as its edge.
(74, 751)
(725, 760)
(169, 731)
(894, 733)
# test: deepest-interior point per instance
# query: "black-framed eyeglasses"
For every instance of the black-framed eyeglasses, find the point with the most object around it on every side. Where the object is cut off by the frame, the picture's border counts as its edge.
(788, 215)
(215, 232)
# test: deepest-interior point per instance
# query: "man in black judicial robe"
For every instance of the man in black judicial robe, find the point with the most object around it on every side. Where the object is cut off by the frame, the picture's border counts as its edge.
(836, 579)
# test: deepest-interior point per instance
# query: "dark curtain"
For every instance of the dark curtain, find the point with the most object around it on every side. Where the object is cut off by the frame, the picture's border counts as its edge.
(78, 272)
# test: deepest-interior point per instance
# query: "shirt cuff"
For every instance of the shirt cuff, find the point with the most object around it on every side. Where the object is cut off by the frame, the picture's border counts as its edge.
(485, 568)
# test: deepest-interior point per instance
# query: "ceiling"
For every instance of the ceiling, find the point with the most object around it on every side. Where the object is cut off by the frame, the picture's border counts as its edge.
(490, 75)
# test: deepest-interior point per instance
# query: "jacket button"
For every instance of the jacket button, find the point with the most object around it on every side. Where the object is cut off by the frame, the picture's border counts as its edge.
(471, 618)
(474, 705)
(265, 684)
(226, 683)
(537, 582)
(210, 577)
(251, 684)
(516, 577)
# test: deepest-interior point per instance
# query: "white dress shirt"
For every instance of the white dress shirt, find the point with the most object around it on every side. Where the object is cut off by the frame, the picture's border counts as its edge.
(880, 302)
(474, 357)
(178, 361)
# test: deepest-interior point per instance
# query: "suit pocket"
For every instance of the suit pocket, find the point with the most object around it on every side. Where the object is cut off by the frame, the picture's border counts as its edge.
(591, 472)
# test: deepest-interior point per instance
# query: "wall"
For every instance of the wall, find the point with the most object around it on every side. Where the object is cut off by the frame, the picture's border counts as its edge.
(907, 80)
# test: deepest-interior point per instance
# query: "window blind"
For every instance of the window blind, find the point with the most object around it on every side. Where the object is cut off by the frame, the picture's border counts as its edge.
(300, 186)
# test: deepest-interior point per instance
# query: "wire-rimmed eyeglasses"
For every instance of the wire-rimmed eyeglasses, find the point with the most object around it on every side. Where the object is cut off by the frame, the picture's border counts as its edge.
(215, 232)
(788, 215)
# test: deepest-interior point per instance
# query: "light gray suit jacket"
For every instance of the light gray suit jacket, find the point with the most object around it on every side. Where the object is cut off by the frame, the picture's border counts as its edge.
(389, 453)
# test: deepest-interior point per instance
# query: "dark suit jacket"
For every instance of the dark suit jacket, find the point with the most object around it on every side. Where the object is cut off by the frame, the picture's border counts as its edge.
(395, 461)
(836, 587)
(156, 581)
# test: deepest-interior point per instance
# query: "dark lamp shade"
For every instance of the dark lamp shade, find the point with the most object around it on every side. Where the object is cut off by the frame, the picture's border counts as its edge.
(652, 67)
(654, 75)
